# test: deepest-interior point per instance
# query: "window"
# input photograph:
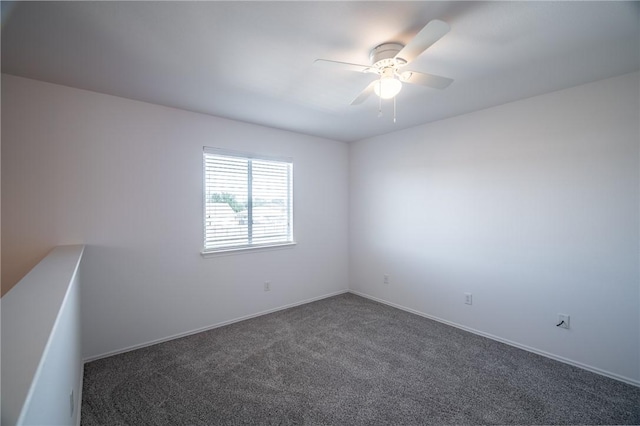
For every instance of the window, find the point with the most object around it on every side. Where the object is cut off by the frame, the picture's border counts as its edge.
(247, 201)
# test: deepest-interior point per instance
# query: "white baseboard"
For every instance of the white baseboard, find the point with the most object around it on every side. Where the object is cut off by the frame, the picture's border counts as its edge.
(211, 327)
(385, 302)
(506, 341)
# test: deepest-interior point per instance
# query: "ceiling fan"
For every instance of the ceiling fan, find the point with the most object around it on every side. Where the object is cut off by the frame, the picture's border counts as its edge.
(388, 61)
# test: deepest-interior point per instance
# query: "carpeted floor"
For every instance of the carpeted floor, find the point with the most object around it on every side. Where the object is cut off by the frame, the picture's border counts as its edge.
(346, 361)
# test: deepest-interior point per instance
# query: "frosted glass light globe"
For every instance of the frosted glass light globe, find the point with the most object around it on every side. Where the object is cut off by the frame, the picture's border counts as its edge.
(387, 87)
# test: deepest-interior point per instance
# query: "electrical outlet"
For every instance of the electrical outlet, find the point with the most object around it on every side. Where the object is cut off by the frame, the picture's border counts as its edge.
(72, 402)
(563, 321)
(468, 298)
(386, 279)
(267, 286)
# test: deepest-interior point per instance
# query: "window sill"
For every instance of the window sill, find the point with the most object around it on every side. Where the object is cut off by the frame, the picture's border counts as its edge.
(241, 250)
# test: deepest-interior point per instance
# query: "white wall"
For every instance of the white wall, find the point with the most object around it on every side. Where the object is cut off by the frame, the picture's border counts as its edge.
(531, 206)
(125, 178)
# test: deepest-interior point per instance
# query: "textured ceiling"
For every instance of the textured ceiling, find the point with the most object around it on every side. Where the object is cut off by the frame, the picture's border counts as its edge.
(253, 61)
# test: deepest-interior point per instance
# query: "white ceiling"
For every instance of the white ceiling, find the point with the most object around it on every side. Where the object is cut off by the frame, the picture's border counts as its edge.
(253, 61)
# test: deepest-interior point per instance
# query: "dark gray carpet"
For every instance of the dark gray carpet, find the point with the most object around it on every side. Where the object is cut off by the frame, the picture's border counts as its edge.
(346, 361)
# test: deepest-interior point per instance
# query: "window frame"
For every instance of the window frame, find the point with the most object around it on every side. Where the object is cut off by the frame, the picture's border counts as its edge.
(250, 246)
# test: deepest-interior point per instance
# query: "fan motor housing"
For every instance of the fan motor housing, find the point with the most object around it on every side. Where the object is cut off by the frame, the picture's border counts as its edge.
(384, 55)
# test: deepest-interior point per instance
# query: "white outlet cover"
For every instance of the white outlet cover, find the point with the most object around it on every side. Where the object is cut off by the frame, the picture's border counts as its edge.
(564, 321)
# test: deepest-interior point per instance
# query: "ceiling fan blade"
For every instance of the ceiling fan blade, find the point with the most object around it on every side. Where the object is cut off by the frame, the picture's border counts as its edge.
(364, 94)
(427, 36)
(428, 80)
(341, 65)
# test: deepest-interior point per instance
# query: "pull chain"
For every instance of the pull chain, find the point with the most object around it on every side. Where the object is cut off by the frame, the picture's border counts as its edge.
(394, 110)
(380, 98)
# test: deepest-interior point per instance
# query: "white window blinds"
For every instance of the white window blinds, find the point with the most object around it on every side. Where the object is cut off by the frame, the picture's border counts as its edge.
(247, 201)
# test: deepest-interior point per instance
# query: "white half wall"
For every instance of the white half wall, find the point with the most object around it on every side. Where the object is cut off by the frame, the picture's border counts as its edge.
(125, 178)
(532, 206)
(42, 348)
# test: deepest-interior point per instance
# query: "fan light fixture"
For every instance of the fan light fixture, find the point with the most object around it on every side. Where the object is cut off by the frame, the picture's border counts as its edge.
(387, 87)
(388, 61)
